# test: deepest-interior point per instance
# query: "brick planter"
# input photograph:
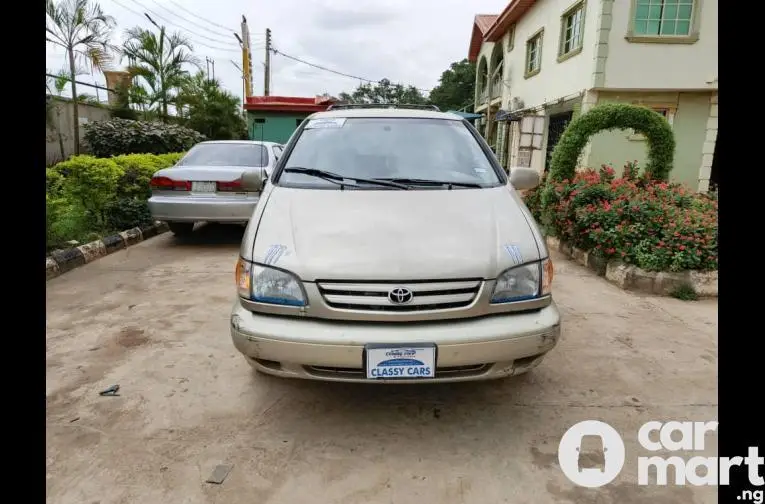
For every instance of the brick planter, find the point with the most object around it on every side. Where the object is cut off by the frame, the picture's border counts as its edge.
(632, 278)
(61, 261)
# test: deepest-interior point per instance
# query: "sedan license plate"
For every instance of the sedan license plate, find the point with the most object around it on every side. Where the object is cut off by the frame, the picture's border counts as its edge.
(400, 362)
(203, 187)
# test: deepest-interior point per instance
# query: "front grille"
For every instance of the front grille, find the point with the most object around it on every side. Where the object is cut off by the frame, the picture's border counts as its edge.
(374, 296)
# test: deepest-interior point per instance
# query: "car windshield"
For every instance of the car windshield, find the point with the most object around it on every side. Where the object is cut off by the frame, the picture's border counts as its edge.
(226, 154)
(389, 148)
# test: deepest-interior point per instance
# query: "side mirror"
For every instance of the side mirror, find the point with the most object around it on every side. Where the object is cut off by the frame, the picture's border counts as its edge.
(524, 179)
(253, 181)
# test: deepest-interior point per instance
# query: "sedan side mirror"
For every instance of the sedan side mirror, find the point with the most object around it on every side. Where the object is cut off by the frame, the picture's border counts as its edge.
(253, 181)
(524, 179)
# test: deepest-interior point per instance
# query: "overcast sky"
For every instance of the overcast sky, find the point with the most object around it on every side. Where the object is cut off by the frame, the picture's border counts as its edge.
(406, 41)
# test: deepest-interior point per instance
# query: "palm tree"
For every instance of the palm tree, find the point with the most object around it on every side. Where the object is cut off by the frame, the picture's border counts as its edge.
(159, 61)
(82, 29)
(55, 87)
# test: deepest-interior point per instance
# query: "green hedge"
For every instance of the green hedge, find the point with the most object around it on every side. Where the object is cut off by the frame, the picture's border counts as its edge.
(122, 136)
(89, 196)
(658, 133)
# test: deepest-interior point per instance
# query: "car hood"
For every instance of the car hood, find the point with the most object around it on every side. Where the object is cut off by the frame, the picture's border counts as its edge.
(394, 235)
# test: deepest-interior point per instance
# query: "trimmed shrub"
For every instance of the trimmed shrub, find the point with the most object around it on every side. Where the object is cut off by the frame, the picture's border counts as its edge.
(90, 183)
(121, 136)
(127, 213)
(658, 133)
(138, 170)
(656, 225)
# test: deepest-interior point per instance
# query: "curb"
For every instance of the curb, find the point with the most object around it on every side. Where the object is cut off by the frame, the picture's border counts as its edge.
(62, 261)
(631, 278)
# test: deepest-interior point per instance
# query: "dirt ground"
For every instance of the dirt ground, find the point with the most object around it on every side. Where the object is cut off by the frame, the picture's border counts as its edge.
(154, 319)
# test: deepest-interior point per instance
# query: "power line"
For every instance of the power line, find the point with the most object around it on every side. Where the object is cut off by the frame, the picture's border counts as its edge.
(336, 72)
(214, 32)
(226, 28)
(160, 17)
(219, 41)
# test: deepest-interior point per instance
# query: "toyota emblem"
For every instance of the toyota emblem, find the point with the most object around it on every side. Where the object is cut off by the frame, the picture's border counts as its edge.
(400, 295)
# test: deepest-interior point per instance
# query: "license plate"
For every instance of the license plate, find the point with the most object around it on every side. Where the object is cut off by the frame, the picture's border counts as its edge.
(207, 187)
(385, 362)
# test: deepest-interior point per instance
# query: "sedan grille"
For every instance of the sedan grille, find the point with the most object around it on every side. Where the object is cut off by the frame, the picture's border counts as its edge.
(399, 296)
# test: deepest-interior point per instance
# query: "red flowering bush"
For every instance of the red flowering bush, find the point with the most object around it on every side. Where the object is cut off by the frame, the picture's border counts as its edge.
(653, 224)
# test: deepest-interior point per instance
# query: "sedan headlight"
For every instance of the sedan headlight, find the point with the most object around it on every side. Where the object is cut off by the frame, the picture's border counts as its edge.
(524, 282)
(264, 284)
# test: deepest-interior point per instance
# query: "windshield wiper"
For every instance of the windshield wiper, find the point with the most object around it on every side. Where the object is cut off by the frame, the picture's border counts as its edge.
(427, 182)
(338, 179)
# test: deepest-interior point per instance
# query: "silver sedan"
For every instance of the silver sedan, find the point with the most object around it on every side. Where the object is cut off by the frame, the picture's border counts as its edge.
(206, 184)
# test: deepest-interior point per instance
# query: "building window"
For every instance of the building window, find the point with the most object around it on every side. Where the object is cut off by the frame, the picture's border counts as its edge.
(511, 38)
(534, 54)
(663, 18)
(524, 157)
(572, 28)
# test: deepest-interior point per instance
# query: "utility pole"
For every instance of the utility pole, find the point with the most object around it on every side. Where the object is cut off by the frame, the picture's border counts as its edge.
(244, 40)
(212, 61)
(207, 61)
(267, 77)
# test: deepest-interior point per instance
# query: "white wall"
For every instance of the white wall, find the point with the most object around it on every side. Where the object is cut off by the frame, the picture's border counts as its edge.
(661, 66)
(555, 80)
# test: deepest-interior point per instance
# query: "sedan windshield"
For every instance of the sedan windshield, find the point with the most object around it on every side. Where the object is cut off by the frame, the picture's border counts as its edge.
(415, 152)
(226, 154)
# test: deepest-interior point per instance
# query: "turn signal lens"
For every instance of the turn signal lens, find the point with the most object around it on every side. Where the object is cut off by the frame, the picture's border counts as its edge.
(547, 277)
(243, 280)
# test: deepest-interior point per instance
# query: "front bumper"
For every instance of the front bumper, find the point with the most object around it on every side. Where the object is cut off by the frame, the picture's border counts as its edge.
(469, 349)
(212, 209)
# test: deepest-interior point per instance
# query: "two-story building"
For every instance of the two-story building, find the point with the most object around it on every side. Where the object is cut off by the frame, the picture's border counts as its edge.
(542, 62)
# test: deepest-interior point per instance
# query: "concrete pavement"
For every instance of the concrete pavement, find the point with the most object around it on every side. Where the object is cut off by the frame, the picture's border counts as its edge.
(154, 319)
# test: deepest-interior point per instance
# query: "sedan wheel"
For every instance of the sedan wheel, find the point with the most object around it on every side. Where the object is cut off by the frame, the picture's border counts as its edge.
(181, 228)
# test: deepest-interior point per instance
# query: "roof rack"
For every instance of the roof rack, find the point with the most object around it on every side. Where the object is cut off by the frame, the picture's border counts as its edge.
(341, 106)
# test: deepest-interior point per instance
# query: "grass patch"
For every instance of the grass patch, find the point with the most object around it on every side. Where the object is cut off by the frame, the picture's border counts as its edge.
(684, 292)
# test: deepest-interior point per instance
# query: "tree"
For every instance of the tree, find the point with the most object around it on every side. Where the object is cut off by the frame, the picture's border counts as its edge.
(456, 87)
(211, 110)
(55, 87)
(384, 92)
(159, 61)
(82, 29)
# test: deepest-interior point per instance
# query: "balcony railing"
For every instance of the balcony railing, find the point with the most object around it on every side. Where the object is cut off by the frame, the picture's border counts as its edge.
(483, 95)
(496, 86)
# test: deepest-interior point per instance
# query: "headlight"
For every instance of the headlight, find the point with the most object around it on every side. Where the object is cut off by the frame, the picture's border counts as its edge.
(268, 285)
(524, 282)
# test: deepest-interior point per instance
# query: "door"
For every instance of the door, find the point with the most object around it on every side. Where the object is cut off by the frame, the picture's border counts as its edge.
(555, 129)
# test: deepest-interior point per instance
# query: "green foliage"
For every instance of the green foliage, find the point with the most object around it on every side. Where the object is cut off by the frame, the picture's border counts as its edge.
(121, 136)
(684, 292)
(658, 133)
(88, 196)
(90, 183)
(137, 170)
(456, 88)
(384, 92)
(157, 64)
(127, 213)
(211, 110)
(650, 223)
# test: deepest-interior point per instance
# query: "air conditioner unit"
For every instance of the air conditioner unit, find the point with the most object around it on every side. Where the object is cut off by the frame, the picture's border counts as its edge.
(517, 103)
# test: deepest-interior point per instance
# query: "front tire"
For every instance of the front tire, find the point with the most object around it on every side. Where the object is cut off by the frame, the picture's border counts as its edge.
(181, 228)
